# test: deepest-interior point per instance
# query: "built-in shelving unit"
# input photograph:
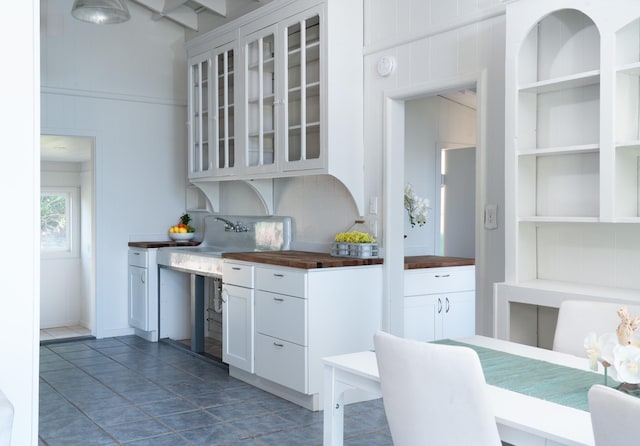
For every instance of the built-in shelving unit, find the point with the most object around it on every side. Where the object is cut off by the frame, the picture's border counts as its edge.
(573, 155)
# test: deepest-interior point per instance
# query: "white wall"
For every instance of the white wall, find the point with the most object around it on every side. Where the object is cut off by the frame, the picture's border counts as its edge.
(437, 45)
(20, 195)
(125, 85)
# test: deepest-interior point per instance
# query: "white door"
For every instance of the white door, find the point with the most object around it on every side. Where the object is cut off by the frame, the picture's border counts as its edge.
(458, 315)
(237, 327)
(138, 297)
(458, 202)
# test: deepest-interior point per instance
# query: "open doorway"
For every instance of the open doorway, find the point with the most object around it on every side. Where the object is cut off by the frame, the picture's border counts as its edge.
(440, 165)
(67, 299)
(441, 129)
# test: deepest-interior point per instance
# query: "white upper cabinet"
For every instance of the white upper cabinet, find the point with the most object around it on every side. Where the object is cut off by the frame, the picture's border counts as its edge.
(260, 106)
(290, 110)
(212, 113)
(200, 128)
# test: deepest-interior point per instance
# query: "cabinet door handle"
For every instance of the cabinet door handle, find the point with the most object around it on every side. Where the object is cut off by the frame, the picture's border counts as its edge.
(278, 299)
(136, 253)
(236, 268)
(278, 275)
(448, 306)
(224, 296)
(442, 275)
(278, 345)
(142, 277)
(439, 305)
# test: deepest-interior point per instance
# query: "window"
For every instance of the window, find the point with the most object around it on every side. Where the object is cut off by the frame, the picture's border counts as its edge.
(57, 221)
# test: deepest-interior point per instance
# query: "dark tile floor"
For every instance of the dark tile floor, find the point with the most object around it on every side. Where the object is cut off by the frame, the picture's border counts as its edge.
(129, 391)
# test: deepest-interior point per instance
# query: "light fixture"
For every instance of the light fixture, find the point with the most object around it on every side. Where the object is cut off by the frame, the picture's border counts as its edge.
(101, 12)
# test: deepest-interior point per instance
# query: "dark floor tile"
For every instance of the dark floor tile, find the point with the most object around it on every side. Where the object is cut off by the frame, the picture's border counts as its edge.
(213, 399)
(55, 427)
(161, 440)
(94, 437)
(136, 430)
(372, 439)
(111, 416)
(237, 411)
(167, 407)
(300, 416)
(308, 436)
(189, 420)
(217, 434)
(263, 424)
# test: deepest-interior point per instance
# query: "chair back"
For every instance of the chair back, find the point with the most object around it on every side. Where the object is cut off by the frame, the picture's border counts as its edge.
(6, 420)
(434, 394)
(578, 318)
(614, 416)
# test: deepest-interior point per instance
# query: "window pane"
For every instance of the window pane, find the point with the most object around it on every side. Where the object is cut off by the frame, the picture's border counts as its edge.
(54, 221)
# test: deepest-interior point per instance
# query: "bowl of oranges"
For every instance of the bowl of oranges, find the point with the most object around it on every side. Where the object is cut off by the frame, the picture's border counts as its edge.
(182, 232)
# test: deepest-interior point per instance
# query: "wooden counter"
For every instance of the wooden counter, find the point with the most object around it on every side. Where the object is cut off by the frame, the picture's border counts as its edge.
(300, 259)
(416, 262)
(161, 244)
(310, 260)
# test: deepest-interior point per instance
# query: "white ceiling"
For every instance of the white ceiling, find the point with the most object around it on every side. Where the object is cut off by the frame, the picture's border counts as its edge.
(200, 15)
(65, 148)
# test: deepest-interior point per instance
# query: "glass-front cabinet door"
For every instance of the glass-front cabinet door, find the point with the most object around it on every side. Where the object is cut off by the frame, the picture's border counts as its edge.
(302, 94)
(225, 109)
(199, 116)
(260, 100)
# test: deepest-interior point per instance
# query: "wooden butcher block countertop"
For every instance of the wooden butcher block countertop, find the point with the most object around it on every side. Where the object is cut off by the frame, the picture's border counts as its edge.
(161, 244)
(299, 259)
(415, 262)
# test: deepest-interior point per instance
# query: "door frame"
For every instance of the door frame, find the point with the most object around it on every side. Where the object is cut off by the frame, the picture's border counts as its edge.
(393, 187)
(93, 314)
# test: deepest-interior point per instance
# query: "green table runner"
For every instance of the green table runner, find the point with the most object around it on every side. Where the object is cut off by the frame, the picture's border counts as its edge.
(533, 377)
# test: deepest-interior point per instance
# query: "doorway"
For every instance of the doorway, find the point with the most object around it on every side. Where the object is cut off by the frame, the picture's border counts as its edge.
(404, 166)
(67, 297)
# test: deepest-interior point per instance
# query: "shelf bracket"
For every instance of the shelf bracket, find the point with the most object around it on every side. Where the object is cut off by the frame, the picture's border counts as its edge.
(264, 190)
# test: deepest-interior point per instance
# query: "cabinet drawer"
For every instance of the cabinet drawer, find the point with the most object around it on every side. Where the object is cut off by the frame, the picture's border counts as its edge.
(281, 281)
(281, 316)
(138, 257)
(281, 362)
(238, 274)
(438, 280)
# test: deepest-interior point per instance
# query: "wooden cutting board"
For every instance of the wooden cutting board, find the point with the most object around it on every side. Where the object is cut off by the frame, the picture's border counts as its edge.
(299, 259)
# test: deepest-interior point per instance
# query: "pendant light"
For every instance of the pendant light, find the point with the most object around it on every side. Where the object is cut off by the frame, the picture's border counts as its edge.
(101, 12)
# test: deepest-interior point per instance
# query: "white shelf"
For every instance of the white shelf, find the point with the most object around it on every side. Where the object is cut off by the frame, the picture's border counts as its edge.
(562, 83)
(584, 148)
(631, 69)
(557, 219)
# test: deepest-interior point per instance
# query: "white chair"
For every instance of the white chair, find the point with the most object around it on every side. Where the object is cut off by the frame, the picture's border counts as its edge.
(434, 394)
(6, 420)
(578, 318)
(614, 416)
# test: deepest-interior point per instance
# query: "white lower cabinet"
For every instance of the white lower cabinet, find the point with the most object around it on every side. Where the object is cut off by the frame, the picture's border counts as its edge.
(439, 303)
(304, 315)
(143, 292)
(238, 316)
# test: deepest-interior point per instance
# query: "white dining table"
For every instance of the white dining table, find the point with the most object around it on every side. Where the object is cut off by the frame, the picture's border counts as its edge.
(522, 420)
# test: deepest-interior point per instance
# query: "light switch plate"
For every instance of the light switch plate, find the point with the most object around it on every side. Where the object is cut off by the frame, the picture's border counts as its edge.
(491, 216)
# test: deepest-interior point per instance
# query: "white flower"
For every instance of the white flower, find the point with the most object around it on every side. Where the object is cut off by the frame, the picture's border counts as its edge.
(416, 207)
(627, 363)
(600, 349)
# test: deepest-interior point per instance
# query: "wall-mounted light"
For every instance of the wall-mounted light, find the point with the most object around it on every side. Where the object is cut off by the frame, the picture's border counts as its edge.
(101, 12)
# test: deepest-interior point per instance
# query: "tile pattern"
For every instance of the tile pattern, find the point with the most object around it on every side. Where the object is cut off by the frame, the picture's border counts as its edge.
(127, 391)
